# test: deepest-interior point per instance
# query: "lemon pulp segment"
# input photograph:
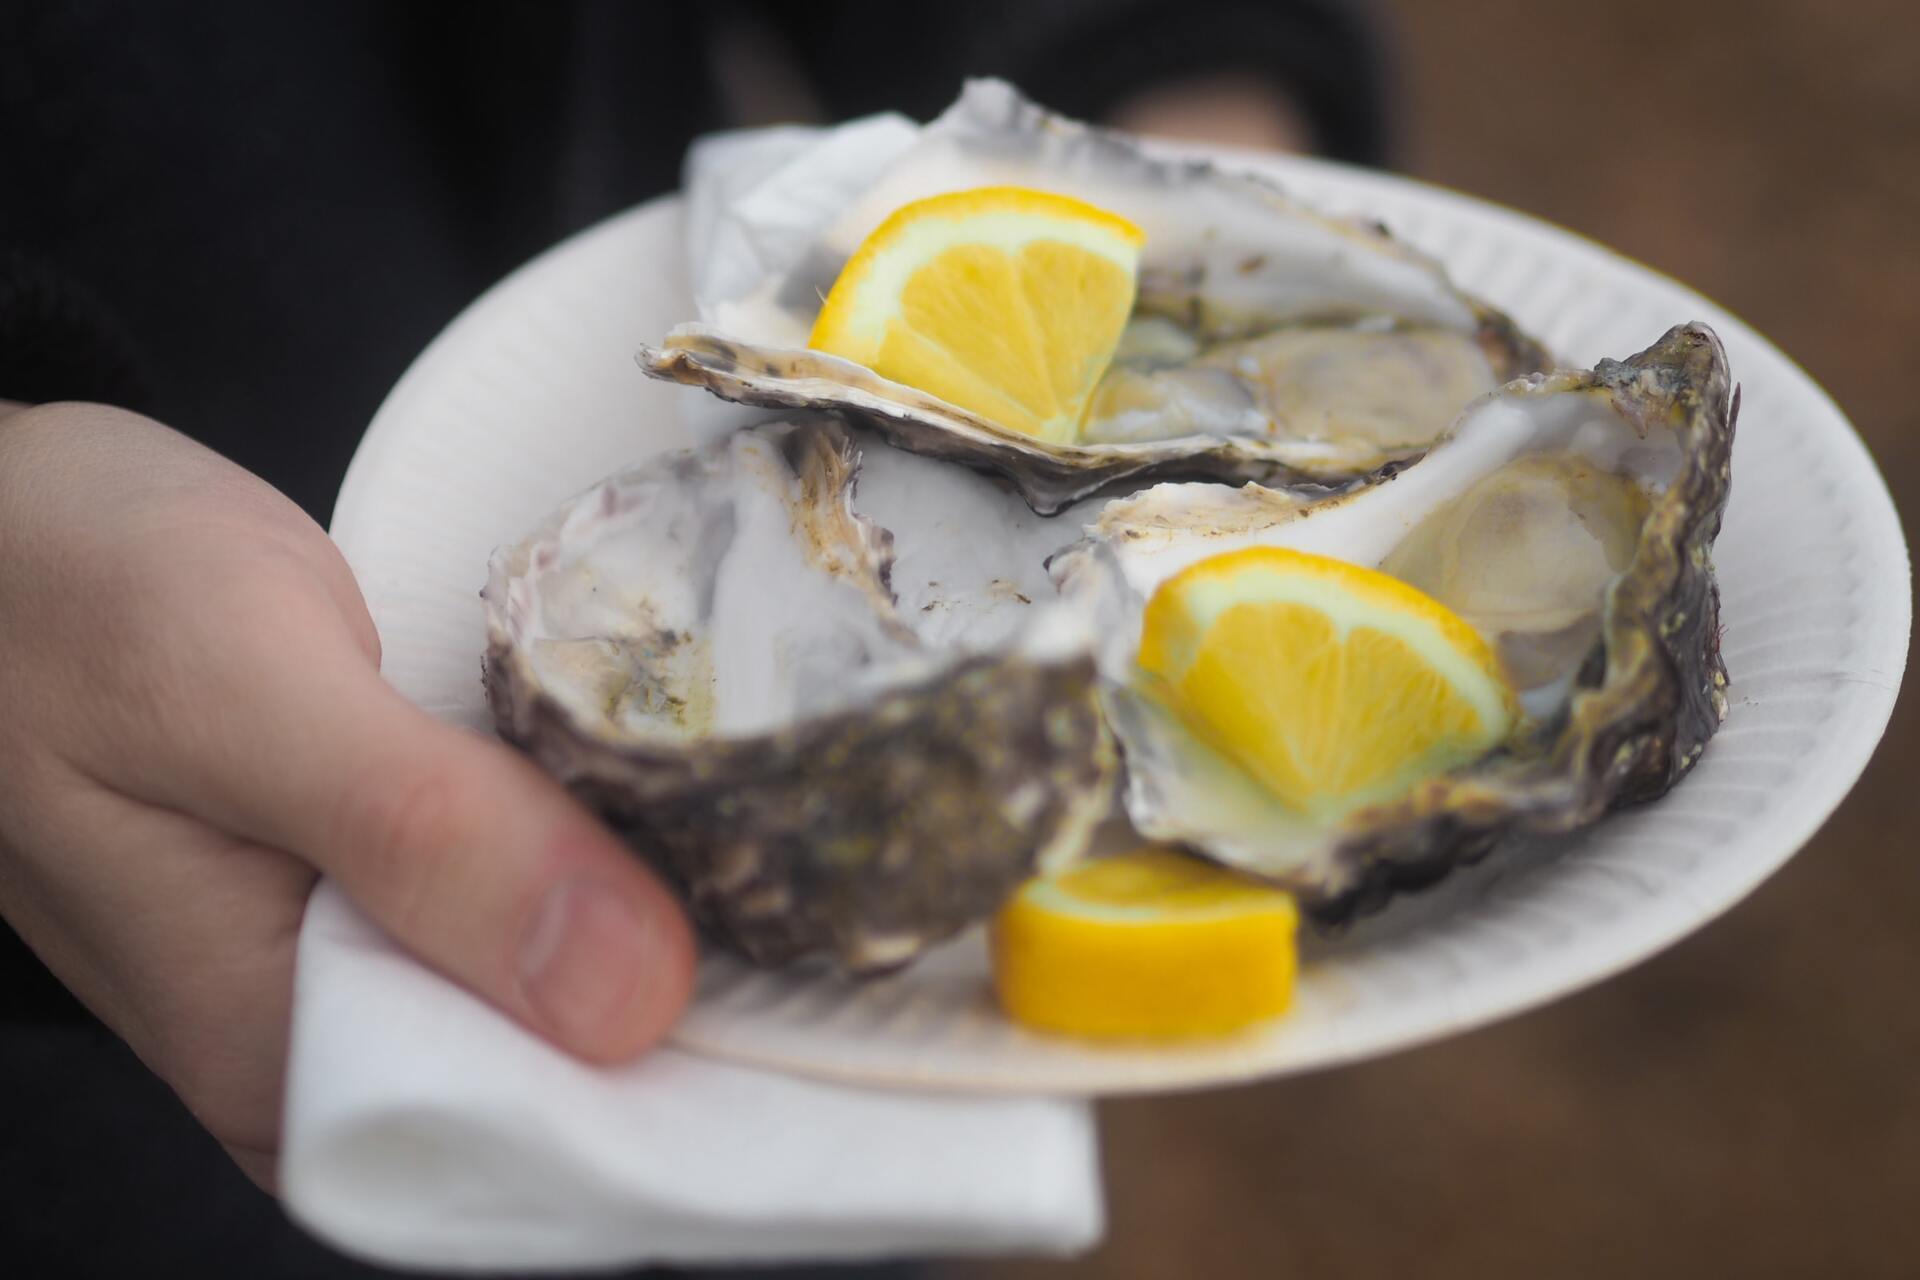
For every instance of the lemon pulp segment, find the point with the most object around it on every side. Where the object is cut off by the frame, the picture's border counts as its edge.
(1004, 301)
(1330, 683)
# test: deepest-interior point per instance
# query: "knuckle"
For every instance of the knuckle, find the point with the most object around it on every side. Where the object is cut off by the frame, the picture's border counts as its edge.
(395, 834)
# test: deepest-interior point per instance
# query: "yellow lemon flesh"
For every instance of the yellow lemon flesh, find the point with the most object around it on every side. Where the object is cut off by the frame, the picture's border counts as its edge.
(1000, 300)
(1333, 685)
(1151, 944)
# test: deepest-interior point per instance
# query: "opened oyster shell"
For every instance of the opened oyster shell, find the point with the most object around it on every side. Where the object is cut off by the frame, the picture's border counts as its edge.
(707, 650)
(1269, 342)
(1570, 517)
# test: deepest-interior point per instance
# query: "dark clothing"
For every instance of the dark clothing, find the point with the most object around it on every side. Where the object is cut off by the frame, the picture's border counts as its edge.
(246, 219)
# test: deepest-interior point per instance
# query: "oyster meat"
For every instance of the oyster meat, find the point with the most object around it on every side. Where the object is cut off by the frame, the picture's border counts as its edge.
(708, 651)
(1269, 342)
(1570, 517)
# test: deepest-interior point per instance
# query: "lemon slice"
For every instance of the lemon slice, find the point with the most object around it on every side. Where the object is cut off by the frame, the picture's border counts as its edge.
(1333, 685)
(1001, 300)
(1148, 944)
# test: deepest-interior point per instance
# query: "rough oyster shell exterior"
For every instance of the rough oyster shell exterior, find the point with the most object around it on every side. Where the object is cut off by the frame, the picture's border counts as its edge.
(1310, 267)
(1634, 715)
(1651, 693)
(862, 834)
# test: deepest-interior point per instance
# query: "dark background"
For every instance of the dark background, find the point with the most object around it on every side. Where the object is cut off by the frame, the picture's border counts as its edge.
(1748, 1103)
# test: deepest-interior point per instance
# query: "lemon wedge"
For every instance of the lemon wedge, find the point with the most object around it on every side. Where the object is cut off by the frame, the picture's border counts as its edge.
(1151, 944)
(1332, 684)
(1000, 300)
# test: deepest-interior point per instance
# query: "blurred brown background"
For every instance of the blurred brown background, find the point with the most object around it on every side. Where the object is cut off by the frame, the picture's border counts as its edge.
(1747, 1104)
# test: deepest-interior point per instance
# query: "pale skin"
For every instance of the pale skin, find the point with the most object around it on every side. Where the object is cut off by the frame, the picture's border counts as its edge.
(195, 730)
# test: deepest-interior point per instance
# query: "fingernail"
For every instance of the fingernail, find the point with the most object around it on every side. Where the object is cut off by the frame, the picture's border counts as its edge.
(580, 960)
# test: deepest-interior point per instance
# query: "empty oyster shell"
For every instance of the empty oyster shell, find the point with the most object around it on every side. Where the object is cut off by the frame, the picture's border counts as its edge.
(1269, 343)
(1569, 516)
(707, 650)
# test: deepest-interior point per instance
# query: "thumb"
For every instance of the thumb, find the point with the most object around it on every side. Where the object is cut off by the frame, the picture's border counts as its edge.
(487, 869)
(461, 849)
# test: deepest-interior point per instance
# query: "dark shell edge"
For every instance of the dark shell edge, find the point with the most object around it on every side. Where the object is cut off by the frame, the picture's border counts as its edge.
(864, 835)
(1658, 688)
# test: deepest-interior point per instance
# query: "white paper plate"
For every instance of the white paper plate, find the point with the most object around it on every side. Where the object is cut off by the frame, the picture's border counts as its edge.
(532, 394)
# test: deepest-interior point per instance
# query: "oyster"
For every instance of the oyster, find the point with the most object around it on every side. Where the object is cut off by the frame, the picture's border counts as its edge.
(1569, 516)
(1269, 342)
(707, 650)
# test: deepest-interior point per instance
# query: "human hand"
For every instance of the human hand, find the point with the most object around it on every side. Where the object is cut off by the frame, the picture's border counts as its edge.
(193, 729)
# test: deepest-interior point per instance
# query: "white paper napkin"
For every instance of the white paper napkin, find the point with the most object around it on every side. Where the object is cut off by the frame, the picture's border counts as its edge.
(425, 1129)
